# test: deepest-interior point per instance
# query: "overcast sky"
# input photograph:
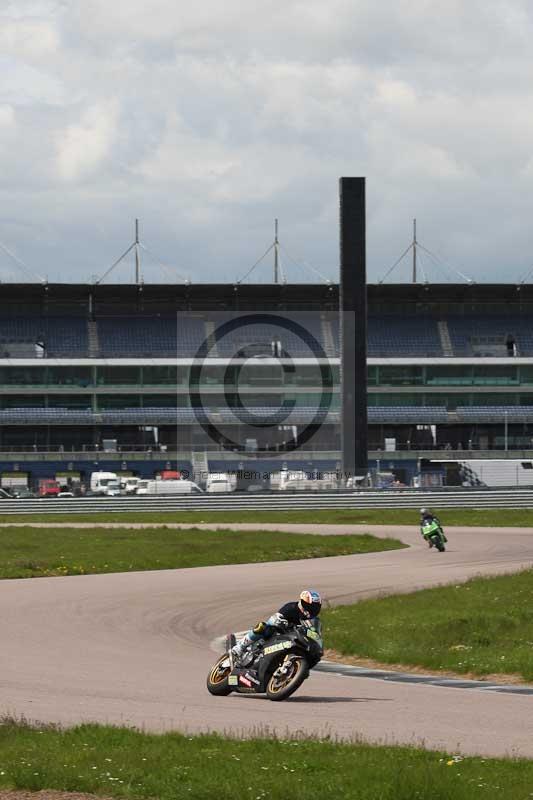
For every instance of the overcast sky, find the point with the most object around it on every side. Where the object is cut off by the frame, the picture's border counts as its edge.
(206, 120)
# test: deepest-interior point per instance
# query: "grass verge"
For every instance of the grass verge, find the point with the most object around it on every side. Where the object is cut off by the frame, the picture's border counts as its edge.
(126, 763)
(495, 517)
(481, 627)
(39, 552)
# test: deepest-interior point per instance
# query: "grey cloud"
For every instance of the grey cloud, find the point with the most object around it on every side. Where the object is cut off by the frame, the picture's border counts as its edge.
(208, 120)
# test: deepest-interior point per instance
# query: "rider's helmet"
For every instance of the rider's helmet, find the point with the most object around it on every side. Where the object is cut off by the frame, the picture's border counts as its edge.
(310, 603)
(424, 512)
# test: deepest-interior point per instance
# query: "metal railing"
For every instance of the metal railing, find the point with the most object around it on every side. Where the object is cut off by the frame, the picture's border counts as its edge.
(272, 501)
(375, 450)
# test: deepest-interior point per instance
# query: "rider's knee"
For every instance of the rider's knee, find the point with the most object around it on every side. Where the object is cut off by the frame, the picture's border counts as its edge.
(262, 630)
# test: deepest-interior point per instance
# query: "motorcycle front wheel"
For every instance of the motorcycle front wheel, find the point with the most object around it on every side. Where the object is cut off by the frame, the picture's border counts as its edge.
(217, 680)
(287, 678)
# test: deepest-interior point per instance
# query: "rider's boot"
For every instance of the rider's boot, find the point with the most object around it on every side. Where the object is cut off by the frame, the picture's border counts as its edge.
(241, 647)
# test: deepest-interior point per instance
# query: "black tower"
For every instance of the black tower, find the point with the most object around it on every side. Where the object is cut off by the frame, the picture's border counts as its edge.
(353, 326)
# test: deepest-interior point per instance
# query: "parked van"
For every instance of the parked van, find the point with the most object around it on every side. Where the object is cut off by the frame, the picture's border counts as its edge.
(170, 487)
(105, 483)
(130, 484)
(220, 482)
(301, 481)
(48, 487)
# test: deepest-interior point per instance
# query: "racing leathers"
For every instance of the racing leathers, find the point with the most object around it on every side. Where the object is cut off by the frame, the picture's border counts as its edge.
(288, 616)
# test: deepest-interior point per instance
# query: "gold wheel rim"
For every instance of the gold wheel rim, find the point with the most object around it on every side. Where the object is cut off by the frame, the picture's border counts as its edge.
(275, 688)
(217, 675)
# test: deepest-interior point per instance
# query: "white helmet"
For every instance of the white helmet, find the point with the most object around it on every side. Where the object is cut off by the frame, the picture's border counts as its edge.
(310, 603)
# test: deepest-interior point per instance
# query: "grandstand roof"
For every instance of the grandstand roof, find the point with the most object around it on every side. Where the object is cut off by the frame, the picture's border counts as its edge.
(116, 298)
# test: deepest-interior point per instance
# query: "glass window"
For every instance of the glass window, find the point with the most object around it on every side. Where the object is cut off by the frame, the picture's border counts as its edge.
(112, 401)
(23, 401)
(213, 375)
(70, 376)
(400, 375)
(163, 400)
(256, 374)
(118, 376)
(395, 399)
(526, 374)
(496, 375)
(165, 375)
(449, 399)
(449, 375)
(487, 399)
(22, 376)
(69, 401)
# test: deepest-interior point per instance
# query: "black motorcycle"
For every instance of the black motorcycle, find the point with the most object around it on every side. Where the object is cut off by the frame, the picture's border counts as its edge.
(275, 667)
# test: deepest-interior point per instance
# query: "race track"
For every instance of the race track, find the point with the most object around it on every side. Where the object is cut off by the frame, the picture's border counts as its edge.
(134, 648)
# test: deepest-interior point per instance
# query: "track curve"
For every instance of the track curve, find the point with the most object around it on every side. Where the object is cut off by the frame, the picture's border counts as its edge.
(133, 648)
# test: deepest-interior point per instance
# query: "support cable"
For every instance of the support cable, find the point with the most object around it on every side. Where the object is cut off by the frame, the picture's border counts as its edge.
(444, 263)
(256, 264)
(21, 263)
(528, 275)
(396, 263)
(168, 269)
(306, 265)
(116, 263)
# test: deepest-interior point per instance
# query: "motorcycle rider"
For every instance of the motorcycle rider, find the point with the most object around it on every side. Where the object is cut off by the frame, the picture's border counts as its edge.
(427, 518)
(291, 614)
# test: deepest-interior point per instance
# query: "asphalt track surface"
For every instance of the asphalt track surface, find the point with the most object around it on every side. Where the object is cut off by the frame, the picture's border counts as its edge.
(134, 648)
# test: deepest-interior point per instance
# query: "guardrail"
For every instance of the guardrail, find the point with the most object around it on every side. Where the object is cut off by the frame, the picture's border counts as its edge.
(269, 501)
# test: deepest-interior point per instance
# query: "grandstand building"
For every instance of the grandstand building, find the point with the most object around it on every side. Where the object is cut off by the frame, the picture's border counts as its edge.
(136, 379)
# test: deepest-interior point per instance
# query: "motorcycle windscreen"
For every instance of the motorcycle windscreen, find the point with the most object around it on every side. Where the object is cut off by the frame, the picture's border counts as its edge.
(314, 630)
(431, 527)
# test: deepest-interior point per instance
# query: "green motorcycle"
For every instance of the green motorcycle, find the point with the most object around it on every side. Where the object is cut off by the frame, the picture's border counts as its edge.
(433, 533)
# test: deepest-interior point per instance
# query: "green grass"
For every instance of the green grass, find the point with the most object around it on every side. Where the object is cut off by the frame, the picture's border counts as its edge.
(456, 516)
(37, 552)
(126, 763)
(483, 626)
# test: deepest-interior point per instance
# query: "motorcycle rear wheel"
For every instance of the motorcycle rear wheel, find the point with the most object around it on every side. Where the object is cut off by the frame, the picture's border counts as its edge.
(217, 680)
(279, 688)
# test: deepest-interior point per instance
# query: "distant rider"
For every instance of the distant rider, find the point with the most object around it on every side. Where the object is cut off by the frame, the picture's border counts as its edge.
(428, 518)
(291, 614)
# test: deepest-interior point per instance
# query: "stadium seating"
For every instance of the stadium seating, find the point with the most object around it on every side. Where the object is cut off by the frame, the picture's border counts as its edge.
(161, 416)
(377, 415)
(392, 336)
(59, 336)
(389, 335)
(428, 415)
(270, 339)
(495, 413)
(476, 335)
(44, 416)
(157, 337)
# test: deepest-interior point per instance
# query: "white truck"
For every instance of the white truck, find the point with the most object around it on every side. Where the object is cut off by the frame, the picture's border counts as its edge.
(129, 484)
(167, 487)
(300, 481)
(105, 483)
(220, 482)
